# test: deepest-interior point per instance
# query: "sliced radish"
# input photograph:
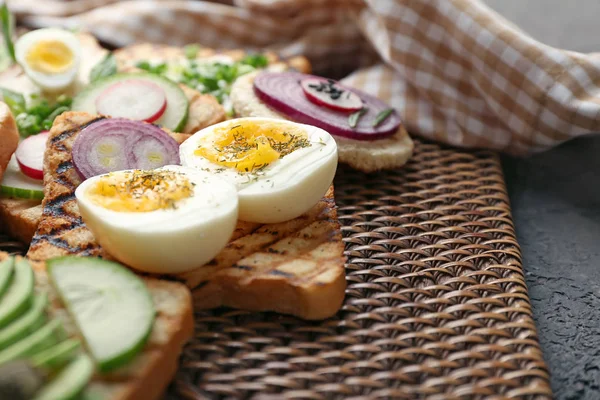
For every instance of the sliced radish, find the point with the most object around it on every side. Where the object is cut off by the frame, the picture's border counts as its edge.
(30, 155)
(325, 92)
(135, 99)
(116, 144)
(16, 184)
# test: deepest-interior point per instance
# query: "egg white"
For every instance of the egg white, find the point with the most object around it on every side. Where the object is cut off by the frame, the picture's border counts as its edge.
(286, 188)
(167, 240)
(49, 81)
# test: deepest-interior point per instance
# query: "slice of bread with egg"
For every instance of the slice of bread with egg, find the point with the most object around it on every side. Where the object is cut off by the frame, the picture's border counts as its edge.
(364, 155)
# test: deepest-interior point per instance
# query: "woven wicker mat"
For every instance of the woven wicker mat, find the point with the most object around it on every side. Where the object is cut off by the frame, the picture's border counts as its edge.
(436, 305)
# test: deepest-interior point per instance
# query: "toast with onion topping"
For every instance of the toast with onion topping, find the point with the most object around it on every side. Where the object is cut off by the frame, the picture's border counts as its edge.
(150, 372)
(295, 267)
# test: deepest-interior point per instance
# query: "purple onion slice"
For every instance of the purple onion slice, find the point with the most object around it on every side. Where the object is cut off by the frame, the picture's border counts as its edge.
(283, 92)
(116, 144)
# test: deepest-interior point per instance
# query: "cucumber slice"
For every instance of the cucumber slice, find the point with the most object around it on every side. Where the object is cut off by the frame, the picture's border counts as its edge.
(26, 324)
(34, 343)
(70, 381)
(56, 356)
(16, 184)
(18, 296)
(175, 115)
(6, 271)
(110, 305)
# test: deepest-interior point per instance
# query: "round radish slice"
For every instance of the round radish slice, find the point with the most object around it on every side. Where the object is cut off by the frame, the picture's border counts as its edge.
(135, 99)
(116, 144)
(283, 92)
(326, 92)
(30, 155)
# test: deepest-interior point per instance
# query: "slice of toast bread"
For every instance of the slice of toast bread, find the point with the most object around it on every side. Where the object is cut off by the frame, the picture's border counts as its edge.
(366, 156)
(296, 267)
(20, 217)
(148, 375)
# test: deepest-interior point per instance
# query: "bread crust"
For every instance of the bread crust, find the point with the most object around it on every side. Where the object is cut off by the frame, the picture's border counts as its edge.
(9, 137)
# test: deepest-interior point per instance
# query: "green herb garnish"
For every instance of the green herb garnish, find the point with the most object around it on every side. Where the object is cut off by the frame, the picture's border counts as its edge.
(191, 51)
(36, 116)
(255, 60)
(214, 78)
(15, 101)
(157, 69)
(106, 67)
(7, 29)
(354, 117)
(382, 116)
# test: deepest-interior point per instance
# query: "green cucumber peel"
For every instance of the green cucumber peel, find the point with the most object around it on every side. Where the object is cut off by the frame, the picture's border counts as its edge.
(26, 323)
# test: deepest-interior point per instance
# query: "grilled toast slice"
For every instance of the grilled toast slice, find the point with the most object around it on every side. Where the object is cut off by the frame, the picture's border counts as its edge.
(148, 375)
(296, 267)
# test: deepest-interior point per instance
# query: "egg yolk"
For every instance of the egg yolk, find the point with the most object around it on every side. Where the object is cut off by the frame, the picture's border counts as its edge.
(49, 56)
(250, 146)
(140, 191)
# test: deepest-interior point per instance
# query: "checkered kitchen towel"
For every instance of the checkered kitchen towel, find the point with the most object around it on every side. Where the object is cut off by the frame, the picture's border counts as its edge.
(455, 70)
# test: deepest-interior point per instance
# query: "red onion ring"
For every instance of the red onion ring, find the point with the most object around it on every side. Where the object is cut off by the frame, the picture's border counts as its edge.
(282, 91)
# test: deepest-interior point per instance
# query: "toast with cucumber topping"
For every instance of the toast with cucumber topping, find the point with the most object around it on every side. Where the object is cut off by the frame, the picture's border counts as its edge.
(89, 328)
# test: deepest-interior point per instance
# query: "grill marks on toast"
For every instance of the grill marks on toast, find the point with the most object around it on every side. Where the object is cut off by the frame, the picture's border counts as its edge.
(61, 230)
(293, 267)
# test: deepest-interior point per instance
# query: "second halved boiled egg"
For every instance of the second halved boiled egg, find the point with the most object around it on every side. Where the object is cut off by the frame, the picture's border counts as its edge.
(50, 57)
(168, 220)
(280, 168)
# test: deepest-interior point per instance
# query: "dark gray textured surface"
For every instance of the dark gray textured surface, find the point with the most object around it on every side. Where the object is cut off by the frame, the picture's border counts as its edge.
(555, 198)
(556, 206)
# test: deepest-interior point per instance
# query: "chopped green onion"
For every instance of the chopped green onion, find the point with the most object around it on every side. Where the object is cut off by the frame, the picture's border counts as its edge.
(106, 67)
(255, 60)
(382, 116)
(38, 115)
(354, 117)
(157, 69)
(7, 29)
(15, 101)
(28, 124)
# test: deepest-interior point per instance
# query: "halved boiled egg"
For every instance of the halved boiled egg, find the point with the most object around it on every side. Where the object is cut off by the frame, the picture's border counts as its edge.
(50, 57)
(168, 220)
(280, 168)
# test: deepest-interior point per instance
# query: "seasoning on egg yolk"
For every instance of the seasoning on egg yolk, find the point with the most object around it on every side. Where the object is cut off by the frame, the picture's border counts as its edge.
(250, 146)
(140, 191)
(49, 56)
